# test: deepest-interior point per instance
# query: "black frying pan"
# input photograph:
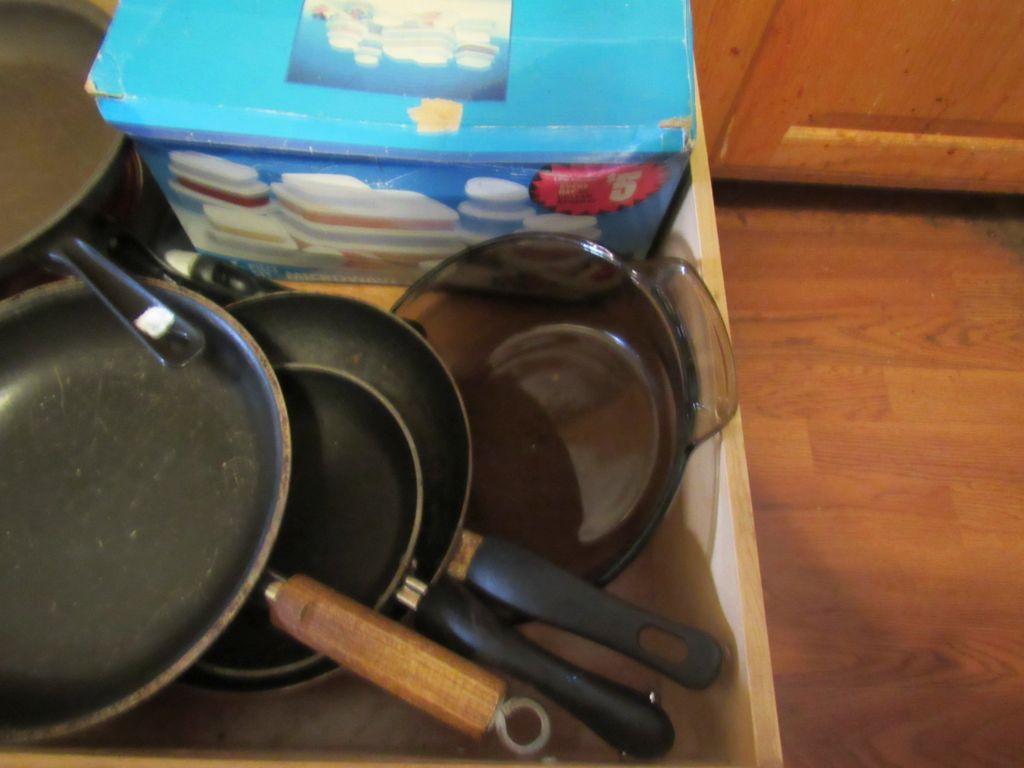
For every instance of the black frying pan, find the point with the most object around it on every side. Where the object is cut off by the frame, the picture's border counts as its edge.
(353, 516)
(352, 520)
(143, 486)
(58, 157)
(357, 339)
(140, 501)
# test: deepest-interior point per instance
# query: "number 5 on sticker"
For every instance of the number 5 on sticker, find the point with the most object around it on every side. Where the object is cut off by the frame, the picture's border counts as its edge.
(623, 186)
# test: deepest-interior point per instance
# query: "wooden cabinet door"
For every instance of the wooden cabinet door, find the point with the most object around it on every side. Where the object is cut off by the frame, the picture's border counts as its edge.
(922, 93)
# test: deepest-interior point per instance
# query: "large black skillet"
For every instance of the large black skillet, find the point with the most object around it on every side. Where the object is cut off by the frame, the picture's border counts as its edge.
(139, 500)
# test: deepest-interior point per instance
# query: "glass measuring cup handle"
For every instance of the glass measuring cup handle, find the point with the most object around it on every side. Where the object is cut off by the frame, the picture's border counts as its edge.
(705, 355)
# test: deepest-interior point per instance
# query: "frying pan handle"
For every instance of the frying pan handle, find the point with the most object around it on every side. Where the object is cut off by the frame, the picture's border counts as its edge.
(626, 719)
(530, 584)
(701, 336)
(221, 279)
(217, 279)
(173, 340)
(387, 654)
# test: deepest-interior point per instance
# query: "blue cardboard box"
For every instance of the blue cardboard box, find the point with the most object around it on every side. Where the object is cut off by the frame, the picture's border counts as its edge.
(368, 139)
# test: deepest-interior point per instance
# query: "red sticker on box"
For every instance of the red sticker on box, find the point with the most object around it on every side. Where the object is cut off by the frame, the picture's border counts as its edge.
(582, 190)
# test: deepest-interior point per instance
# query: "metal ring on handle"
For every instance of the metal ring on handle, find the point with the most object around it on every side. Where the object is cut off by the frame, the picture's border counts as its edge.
(508, 708)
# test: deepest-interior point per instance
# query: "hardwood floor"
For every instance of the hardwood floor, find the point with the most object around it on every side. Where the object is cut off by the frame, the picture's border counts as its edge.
(880, 347)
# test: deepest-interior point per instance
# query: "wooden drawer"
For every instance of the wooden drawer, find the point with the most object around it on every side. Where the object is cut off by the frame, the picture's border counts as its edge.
(701, 568)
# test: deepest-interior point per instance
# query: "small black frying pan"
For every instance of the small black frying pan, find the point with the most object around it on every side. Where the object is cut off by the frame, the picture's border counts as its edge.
(355, 484)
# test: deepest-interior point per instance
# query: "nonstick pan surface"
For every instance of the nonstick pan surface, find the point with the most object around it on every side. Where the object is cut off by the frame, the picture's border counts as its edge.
(139, 502)
(54, 146)
(352, 519)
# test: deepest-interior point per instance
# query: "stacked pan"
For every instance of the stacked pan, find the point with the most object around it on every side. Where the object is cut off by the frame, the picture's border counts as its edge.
(316, 435)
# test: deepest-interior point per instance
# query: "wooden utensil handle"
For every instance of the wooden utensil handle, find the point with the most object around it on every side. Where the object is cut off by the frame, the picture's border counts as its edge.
(387, 654)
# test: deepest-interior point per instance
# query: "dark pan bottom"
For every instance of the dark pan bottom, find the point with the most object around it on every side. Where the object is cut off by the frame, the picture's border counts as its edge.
(351, 519)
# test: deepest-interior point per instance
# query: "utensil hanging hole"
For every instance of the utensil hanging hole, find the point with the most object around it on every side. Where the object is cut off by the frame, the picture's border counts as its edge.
(664, 645)
(514, 725)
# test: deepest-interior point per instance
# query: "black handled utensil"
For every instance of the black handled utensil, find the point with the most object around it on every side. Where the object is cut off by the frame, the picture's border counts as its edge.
(530, 584)
(627, 719)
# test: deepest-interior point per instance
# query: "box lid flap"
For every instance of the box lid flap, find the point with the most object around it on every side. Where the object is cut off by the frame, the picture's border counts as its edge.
(500, 77)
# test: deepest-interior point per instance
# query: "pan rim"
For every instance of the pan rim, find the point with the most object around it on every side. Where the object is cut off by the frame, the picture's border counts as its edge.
(29, 300)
